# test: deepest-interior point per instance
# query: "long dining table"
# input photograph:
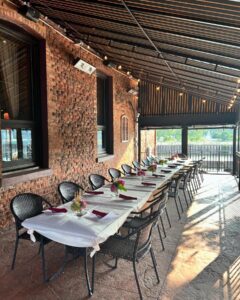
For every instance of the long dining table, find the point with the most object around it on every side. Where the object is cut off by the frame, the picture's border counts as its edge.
(90, 230)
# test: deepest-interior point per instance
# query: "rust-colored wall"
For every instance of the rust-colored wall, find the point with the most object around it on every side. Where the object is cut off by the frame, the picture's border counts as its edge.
(72, 112)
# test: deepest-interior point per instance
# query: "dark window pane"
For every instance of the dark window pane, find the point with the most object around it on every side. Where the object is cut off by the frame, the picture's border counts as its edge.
(101, 101)
(15, 79)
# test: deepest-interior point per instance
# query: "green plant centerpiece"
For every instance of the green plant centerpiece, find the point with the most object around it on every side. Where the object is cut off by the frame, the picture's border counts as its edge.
(152, 168)
(117, 185)
(78, 204)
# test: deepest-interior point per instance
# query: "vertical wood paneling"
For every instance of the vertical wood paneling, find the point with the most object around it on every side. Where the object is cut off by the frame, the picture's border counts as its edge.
(167, 101)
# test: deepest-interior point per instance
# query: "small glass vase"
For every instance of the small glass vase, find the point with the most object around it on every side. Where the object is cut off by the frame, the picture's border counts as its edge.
(79, 213)
(116, 193)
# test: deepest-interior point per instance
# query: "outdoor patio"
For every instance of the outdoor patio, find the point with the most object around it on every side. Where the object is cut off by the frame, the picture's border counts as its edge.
(201, 259)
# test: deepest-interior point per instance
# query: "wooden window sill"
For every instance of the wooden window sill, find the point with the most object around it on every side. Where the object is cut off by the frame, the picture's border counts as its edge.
(10, 179)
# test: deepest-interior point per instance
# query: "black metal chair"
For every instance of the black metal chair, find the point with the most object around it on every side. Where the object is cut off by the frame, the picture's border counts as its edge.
(146, 162)
(162, 193)
(156, 203)
(24, 206)
(138, 166)
(127, 169)
(174, 191)
(97, 181)
(185, 184)
(134, 245)
(68, 189)
(114, 173)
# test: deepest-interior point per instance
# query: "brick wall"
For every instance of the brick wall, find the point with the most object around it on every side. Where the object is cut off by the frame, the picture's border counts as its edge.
(72, 112)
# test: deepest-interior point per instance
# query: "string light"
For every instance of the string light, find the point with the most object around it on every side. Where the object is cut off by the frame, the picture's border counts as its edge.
(128, 73)
(105, 57)
(204, 101)
(181, 94)
(119, 67)
(138, 80)
(158, 88)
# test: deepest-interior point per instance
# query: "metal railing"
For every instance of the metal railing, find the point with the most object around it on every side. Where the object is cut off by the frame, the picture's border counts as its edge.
(218, 157)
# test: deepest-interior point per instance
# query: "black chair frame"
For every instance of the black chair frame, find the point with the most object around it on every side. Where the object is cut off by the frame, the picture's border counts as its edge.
(31, 205)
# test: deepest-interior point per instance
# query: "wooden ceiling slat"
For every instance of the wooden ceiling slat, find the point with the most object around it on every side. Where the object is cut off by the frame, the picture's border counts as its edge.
(113, 29)
(199, 40)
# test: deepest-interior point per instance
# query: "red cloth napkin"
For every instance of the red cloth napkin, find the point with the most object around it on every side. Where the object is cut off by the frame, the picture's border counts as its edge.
(94, 192)
(127, 197)
(58, 210)
(98, 213)
(158, 175)
(148, 183)
(166, 171)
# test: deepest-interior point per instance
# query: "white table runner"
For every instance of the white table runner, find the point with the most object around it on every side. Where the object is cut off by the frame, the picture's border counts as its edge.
(85, 231)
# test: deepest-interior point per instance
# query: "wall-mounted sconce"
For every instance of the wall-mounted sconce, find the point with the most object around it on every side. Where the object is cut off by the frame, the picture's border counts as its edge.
(84, 66)
(29, 12)
(109, 64)
(132, 91)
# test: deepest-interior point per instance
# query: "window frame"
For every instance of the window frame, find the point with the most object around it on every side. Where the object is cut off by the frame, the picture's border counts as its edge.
(107, 126)
(38, 101)
(124, 129)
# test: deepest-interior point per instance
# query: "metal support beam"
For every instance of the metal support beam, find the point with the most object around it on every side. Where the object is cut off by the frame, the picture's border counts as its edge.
(185, 140)
(234, 149)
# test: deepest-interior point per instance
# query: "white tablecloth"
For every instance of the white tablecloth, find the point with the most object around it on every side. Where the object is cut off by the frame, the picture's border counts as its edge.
(88, 230)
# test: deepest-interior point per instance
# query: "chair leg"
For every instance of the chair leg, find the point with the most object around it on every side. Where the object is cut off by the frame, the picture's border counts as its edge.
(179, 216)
(168, 217)
(201, 175)
(86, 273)
(160, 236)
(193, 187)
(45, 279)
(189, 195)
(154, 264)
(185, 197)
(116, 263)
(179, 199)
(15, 252)
(163, 228)
(136, 277)
(93, 271)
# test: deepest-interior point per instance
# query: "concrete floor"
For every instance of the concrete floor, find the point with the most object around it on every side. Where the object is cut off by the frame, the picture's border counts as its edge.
(201, 259)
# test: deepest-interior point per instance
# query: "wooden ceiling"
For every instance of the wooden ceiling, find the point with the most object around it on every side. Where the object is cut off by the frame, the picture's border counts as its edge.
(190, 45)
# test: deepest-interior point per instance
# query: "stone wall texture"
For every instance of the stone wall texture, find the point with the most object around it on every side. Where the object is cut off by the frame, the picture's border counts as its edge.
(72, 116)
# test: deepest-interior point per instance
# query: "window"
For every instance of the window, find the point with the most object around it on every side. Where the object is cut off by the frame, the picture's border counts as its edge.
(124, 128)
(104, 115)
(19, 100)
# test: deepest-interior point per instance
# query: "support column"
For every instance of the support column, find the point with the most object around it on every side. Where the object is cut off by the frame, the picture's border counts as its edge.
(185, 140)
(139, 143)
(234, 149)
